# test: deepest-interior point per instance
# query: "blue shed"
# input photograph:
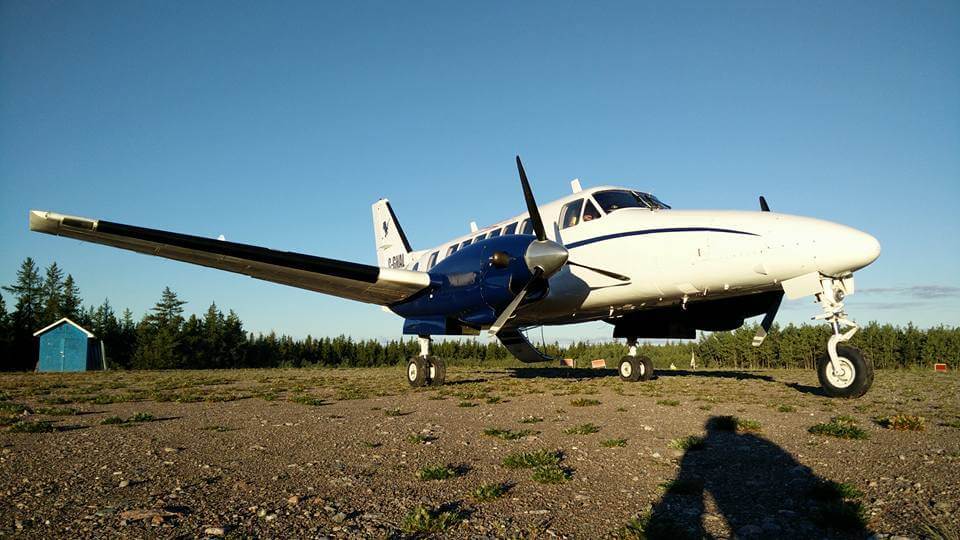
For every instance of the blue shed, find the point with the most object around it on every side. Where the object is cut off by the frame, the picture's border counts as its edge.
(67, 346)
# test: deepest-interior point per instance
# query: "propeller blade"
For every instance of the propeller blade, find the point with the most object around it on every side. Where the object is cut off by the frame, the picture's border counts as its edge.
(764, 207)
(767, 321)
(607, 273)
(531, 204)
(512, 306)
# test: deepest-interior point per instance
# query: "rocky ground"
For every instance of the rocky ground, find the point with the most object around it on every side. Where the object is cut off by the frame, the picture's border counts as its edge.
(357, 454)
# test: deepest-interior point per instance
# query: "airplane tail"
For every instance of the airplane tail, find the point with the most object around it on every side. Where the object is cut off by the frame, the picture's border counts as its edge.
(392, 244)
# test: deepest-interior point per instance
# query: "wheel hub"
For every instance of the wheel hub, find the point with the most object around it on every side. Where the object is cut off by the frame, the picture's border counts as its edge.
(412, 371)
(841, 373)
(626, 369)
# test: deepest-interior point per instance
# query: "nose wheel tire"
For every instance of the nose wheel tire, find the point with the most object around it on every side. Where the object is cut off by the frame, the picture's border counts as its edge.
(417, 371)
(635, 368)
(437, 371)
(851, 378)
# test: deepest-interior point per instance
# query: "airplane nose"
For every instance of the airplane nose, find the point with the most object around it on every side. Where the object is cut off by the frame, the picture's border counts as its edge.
(859, 249)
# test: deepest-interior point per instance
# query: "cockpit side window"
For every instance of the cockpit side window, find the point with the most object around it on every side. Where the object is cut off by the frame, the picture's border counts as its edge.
(433, 260)
(526, 227)
(570, 214)
(616, 199)
(590, 212)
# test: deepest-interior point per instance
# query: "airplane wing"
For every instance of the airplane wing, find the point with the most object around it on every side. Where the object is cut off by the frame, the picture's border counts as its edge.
(355, 281)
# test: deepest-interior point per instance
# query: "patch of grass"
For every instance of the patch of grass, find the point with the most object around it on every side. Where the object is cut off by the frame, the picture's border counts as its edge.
(6, 419)
(551, 474)
(613, 443)
(369, 444)
(494, 399)
(438, 472)
(142, 417)
(34, 426)
(55, 400)
(669, 402)
(305, 399)
(786, 408)
(646, 526)
(582, 429)
(509, 435)
(951, 423)
(843, 427)
(903, 422)
(346, 394)
(621, 409)
(746, 425)
(531, 419)
(10, 407)
(690, 442)
(529, 460)
(112, 420)
(683, 486)
(828, 489)
(467, 404)
(424, 520)
(585, 402)
(420, 438)
(489, 492)
(393, 412)
(705, 407)
(57, 411)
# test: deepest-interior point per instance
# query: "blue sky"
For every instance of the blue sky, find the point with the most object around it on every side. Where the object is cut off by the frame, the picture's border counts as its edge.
(278, 124)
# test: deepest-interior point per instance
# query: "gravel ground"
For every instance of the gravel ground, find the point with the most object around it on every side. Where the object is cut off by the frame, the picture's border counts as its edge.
(325, 452)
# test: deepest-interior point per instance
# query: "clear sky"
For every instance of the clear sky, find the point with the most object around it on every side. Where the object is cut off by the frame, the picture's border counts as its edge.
(279, 123)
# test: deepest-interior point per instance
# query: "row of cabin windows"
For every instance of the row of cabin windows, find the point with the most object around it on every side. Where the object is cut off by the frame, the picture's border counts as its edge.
(572, 213)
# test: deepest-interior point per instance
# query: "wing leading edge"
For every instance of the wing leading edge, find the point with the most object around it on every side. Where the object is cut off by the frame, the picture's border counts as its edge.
(350, 280)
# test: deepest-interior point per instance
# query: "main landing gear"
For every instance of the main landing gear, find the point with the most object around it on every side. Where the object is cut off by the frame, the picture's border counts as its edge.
(633, 367)
(843, 371)
(424, 369)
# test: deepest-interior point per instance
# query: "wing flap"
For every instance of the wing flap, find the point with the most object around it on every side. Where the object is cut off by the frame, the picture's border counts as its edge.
(329, 276)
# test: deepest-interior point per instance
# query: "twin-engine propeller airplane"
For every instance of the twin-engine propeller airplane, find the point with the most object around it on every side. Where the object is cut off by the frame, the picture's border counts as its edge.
(606, 253)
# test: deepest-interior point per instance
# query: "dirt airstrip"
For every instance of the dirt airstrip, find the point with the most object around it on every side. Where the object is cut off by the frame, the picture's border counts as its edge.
(526, 453)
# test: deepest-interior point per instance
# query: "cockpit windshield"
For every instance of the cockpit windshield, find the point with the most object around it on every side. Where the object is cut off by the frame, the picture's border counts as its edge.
(616, 199)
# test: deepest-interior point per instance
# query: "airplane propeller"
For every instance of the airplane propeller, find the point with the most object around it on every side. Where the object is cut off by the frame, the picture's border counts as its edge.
(544, 257)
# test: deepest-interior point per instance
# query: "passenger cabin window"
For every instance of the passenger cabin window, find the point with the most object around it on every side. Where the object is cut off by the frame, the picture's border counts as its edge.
(452, 250)
(570, 214)
(479, 238)
(465, 243)
(590, 212)
(510, 229)
(526, 227)
(495, 232)
(433, 260)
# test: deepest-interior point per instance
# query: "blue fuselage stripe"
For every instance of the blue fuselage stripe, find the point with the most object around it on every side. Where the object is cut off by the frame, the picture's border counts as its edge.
(655, 231)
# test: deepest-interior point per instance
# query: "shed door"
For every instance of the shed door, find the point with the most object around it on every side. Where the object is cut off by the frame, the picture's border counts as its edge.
(74, 352)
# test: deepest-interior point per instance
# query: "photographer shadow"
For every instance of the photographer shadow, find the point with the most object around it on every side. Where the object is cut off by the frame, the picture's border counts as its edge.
(740, 484)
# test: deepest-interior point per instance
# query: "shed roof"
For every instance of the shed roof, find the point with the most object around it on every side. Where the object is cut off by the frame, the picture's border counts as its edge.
(66, 320)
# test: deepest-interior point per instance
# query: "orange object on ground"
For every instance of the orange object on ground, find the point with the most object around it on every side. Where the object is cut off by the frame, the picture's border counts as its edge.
(939, 367)
(598, 364)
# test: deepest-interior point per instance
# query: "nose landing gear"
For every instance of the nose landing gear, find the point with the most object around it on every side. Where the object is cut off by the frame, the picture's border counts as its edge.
(843, 371)
(424, 369)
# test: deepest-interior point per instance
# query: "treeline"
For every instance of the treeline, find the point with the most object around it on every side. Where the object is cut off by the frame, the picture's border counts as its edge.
(165, 339)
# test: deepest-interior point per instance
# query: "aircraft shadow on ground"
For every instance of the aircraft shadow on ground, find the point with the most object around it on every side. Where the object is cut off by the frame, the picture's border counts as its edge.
(587, 373)
(756, 487)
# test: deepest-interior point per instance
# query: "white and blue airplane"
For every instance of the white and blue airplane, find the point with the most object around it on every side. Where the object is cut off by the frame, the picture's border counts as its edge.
(606, 253)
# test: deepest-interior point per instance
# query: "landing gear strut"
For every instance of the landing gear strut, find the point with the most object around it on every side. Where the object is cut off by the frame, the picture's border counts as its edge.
(843, 371)
(635, 368)
(424, 369)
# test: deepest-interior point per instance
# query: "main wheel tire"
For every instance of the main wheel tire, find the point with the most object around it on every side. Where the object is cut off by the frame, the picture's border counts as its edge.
(417, 371)
(630, 369)
(647, 372)
(437, 371)
(635, 368)
(853, 377)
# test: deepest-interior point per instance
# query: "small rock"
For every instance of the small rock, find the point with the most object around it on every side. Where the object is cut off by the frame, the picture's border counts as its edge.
(270, 517)
(339, 517)
(214, 531)
(293, 500)
(124, 483)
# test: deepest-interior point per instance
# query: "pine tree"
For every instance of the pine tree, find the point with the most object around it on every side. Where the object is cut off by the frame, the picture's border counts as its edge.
(25, 318)
(52, 295)
(159, 335)
(70, 300)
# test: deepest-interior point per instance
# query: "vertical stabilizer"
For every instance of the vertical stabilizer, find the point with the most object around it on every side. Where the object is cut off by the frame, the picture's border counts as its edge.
(392, 245)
